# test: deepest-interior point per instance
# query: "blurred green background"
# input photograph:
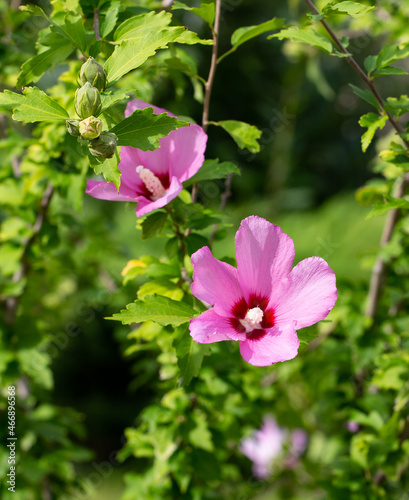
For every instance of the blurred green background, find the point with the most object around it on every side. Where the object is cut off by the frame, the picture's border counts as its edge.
(304, 179)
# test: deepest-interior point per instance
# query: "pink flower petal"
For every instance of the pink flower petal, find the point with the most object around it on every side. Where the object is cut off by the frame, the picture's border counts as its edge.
(307, 296)
(188, 145)
(107, 191)
(264, 256)
(210, 327)
(279, 344)
(145, 205)
(215, 282)
(137, 104)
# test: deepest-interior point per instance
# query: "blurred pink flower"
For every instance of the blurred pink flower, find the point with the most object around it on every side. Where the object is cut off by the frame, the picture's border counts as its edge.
(263, 301)
(153, 178)
(298, 444)
(264, 446)
(352, 426)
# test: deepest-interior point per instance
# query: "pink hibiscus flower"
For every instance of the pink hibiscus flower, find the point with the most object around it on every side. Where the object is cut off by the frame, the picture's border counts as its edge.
(265, 445)
(263, 301)
(153, 178)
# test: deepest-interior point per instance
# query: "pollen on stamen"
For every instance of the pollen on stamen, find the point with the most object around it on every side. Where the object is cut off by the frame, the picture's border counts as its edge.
(254, 316)
(152, 183)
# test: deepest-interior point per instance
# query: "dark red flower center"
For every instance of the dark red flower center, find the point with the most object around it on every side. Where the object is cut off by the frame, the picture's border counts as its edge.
(252, 317)
(164, 180)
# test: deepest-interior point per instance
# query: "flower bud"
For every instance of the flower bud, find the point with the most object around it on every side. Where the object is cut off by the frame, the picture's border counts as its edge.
(104, 146)
(90, 128)
(72, 127)
(87, 101)
(93, 73)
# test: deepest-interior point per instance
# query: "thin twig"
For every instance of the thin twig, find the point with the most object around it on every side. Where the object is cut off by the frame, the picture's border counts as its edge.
(96, 24)
(12, 302)
(225, 198)
(368, 82)
(209, 82)
(379, 269)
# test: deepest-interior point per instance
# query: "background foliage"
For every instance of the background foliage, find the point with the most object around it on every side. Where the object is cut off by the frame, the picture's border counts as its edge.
(82, 380)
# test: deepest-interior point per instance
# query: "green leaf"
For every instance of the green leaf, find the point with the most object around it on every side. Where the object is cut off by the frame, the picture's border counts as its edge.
(201, 437)
(32, 106)
(108, 168)
(75, 31)
(370, 63)
(365, 95)
(244, 135)
(195, 241)
(212, 169)
(390, 204)
(33, 69)
(190, 356)
(372, 122)
(153, 224)
(191, 38)
(162, 287)
(246, 33)
(305, 35)
(206, 11)
(353, 9)
(157, 308)
(143, 128)
(109, 20)
(390, 54)
(131, 54)
(111, 97)
(389, 71)
(137, 27)
(398, 106)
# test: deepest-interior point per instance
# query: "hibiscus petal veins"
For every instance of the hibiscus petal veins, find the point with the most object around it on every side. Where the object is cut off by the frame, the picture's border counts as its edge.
(153, 178)
(264, 301)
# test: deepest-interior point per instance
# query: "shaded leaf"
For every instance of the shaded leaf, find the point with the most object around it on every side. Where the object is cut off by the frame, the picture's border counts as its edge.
(365, 95)
(153, 223)
(33, 69)
(109, 20)
(212, 169)
(75, 31)
(108, 168)
(143, 128)
(190, 356)
(110, 98)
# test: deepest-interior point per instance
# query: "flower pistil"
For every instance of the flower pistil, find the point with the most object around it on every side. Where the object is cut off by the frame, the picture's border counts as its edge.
(152, 183)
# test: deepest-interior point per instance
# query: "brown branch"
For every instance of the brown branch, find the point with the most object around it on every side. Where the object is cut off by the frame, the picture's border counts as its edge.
(12, 303)
(96, 25)
(379, 270)
(209, 82)
(225, 198)
(368, 82)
